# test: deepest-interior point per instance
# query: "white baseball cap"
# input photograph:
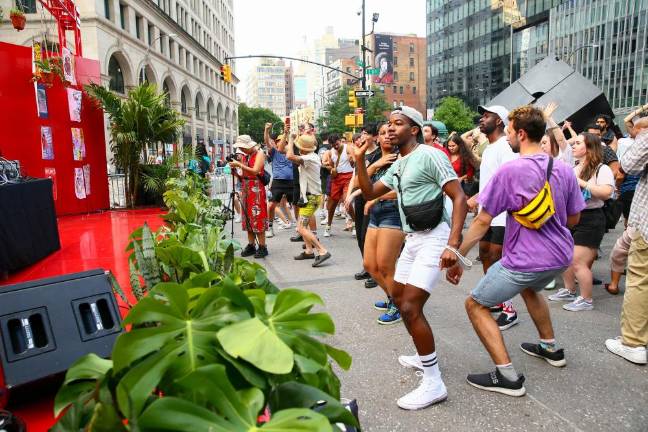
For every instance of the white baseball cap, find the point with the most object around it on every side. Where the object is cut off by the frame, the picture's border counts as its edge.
(501, 112)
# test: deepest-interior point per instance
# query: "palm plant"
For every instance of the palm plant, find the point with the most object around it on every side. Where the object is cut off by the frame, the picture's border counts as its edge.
(142, 118)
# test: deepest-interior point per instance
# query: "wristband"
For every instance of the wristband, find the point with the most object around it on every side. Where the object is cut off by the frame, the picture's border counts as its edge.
(465, 262)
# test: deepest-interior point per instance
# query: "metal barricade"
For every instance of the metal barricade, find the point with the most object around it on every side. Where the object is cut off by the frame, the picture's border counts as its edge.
(117, 190)
(220, 185)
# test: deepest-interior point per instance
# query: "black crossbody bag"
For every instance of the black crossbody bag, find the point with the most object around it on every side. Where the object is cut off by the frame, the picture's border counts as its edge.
(424, 216)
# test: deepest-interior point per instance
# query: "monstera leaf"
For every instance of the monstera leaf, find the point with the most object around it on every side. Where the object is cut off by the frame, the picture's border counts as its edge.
(225, 409)
(168, 335)
(264, 340)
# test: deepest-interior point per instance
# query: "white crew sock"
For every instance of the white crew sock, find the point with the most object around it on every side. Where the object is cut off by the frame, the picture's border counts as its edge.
(430, 366)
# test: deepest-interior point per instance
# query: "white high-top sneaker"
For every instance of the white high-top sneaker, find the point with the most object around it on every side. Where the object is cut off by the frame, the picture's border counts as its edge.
(431, 390)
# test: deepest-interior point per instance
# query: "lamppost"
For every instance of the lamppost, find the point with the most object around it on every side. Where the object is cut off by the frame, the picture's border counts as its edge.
(363, 48)
(574, 51)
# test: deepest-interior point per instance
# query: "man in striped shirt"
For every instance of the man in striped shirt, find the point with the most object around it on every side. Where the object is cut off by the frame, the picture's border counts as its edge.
(631, 345)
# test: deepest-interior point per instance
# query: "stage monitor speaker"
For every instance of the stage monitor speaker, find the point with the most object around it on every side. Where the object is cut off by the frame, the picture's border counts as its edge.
(553, 80)
(47, 324)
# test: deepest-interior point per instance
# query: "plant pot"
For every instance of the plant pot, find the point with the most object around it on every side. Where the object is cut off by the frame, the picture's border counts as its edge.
(18, 22)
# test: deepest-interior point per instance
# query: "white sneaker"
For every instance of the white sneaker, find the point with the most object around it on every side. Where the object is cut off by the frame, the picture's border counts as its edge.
(551, 285)
(353, 233)
(412, 362)
(324, 221)
(563, 294)
(579, 305)
(270, 233)
(429, 392)
(327, 231)
(635, 355)
(237, 218)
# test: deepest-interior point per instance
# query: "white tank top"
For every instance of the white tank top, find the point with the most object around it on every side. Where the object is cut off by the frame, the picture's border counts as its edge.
(345, 164)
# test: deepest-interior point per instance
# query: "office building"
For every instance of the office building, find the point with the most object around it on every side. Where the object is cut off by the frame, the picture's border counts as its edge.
(477, 48)
(266, 87)
(179, 45)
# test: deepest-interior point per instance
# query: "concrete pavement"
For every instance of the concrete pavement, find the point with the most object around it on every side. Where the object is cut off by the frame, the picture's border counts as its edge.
(596, 391)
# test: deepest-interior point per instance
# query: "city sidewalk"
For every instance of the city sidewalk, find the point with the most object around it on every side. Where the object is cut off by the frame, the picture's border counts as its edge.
(597, 391)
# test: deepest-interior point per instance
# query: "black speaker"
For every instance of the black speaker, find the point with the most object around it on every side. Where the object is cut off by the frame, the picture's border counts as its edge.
(553, 80)
(47, 324)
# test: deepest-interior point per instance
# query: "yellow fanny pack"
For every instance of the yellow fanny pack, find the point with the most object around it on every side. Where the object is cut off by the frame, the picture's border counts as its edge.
(540, 208)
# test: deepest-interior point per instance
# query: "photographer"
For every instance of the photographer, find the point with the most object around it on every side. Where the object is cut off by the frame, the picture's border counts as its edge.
(282, 173)
(253, 195)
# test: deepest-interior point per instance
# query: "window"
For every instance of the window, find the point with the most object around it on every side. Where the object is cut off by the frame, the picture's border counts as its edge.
(107, 9)
(400, 90)
(138, 24)
(414, 90)
(396, 76)
(395, 89)
(411, 76)
(395, 61)
(122, 16)
(116, 77)
(411, 61)
(411, 48)
(150, 34)
(183, 103)
(27, 6)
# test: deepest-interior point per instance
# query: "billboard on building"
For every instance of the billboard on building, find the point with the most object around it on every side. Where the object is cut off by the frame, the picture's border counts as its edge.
(384, 59)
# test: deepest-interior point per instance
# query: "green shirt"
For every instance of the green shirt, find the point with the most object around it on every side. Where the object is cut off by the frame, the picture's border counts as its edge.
(423, 174)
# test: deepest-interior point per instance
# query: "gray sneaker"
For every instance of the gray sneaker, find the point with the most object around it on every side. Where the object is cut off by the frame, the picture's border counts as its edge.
(270, 232)
(578, 305)
(563, 294)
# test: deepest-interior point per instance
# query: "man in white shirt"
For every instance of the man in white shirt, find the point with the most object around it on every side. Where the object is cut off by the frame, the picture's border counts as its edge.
(494, 120)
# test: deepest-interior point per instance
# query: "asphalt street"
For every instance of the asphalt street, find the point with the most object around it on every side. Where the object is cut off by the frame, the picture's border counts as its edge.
(596, 391)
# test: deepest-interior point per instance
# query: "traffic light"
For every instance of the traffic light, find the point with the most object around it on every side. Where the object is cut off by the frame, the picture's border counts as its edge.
(228, 73)
(353, 102)
(223, 70)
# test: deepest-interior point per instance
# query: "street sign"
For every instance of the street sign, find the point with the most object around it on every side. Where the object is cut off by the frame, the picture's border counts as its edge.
(359, 62)
(374, 71)
(364, 93)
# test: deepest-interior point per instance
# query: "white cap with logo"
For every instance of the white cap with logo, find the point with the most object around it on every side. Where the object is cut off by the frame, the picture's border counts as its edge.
(495, 109)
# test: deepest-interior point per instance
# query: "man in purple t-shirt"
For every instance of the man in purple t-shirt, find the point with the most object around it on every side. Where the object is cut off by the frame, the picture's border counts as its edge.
(530, 257)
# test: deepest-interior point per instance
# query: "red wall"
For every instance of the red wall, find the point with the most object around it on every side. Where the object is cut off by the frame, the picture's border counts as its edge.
(20, 129)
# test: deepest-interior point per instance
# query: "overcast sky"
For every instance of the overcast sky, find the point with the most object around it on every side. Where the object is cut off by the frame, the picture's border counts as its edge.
(280, 26)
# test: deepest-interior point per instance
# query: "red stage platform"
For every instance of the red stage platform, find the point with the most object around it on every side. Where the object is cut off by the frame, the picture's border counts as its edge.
(96, 240)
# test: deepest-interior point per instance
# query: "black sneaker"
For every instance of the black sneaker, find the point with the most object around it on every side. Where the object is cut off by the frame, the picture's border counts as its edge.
(596, 281)
(364, 274)
(296, 238)
(304, 245)
(371, 283)
(495, 382)
(248, 251)
(262, 252)
(554, 358)
(504, 321)
(319, 259)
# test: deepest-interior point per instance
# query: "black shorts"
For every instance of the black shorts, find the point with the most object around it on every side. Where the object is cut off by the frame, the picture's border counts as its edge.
(590, 229)
(281, 188)
(626, 202)
(495, 235)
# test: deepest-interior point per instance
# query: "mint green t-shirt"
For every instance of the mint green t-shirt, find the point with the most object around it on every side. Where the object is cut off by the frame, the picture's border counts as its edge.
(423, 174)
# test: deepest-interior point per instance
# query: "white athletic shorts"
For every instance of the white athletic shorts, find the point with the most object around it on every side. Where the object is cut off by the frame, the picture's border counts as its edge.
(418, 264)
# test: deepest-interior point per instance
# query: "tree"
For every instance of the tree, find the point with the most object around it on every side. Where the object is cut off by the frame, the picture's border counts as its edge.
(456, 115)
(252, 121)
(338, 108)
(377, 108)
(141, 119)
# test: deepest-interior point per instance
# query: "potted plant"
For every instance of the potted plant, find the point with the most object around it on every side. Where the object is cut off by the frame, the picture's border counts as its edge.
(47, 70)
(18, 19)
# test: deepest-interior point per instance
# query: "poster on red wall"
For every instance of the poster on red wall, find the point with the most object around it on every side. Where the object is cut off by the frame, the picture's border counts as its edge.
(41, 101)
(47, 146)
(79, 183)
(86, 178)
(78, 144)
(74, 104)
(51, 173)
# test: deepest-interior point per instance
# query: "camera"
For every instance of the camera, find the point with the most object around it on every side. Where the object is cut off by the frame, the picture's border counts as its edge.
(230, 158)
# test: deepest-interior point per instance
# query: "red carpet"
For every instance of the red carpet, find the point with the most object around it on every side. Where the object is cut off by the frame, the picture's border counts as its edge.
(91, 241)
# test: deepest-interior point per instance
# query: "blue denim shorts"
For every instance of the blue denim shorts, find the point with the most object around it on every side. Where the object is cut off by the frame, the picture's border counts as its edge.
(384, 214)
(500, 284)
